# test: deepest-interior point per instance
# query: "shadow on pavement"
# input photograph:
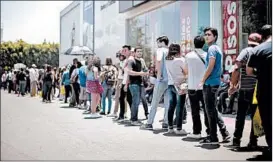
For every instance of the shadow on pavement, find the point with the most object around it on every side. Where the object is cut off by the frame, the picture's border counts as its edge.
(187, 139)
(88, 117)
(246, 149)
(157, 131)
(67, 107)
(173, 135)
(208, 146)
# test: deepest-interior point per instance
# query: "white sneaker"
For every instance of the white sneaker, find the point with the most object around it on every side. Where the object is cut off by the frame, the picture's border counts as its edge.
(194, 136)
(112, 115)
(95, 115)
(181, 132)
(170, 131)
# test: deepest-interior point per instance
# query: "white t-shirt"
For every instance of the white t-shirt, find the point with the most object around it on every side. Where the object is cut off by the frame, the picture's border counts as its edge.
(160, 52)
(196, 68)
(175, 70)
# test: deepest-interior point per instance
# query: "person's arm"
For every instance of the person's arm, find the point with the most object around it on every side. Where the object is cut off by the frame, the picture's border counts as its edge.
(212, 57)
(158, 58)
(96, 73)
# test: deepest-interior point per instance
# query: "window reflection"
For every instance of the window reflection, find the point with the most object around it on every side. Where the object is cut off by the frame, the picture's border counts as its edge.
(144, 29)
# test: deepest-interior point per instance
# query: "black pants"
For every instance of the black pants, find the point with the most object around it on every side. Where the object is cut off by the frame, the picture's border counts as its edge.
(47, 90)
(264, 98)
(10, 87)
(122, 101)
(244, 104)
(67, 92)
(76, 87)
(214, 117)
(195, 98)
(4, 84)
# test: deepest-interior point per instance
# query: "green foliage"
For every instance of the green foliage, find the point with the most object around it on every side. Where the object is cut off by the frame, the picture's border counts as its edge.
(28, 54)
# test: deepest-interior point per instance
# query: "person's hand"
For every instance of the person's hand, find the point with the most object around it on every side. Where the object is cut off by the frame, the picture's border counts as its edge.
(200, 85)
(232, 89)
(145, 73)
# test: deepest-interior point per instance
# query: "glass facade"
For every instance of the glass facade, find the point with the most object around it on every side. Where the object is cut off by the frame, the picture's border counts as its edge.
(181, 21)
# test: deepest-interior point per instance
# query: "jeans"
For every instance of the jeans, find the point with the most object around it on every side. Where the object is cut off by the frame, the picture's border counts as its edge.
(122, 102)
(67, 92)
(244, 103)
(22, 87)
(10, 87)
(144, 100)
(176, 102)
(159, 90)
(107, 92)
(214, 117)
(135, 90)
(195, 98)
(75, 94)
(117, 95)
(47, 90)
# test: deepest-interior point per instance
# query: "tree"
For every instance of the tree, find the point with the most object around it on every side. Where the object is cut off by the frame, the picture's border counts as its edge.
(28, 54)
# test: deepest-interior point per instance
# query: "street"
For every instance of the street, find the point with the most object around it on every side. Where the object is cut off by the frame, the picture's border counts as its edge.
(32, 130)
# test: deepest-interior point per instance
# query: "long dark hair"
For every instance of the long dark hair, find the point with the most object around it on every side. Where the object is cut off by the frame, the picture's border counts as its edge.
(174, 50)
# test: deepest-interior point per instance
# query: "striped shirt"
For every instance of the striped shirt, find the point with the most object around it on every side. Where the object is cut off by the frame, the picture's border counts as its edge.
(246, 82)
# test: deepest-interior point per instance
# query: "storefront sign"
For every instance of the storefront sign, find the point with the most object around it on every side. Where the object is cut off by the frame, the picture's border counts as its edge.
(230, 32)
(186, 13)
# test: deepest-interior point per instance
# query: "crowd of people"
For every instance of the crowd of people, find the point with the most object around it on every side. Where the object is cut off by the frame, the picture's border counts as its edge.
(173, 78)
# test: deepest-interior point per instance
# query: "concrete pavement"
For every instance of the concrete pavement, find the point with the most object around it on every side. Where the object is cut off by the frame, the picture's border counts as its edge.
(32, 130)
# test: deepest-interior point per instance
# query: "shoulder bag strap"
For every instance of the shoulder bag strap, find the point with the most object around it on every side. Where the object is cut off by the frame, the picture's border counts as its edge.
(200, 57)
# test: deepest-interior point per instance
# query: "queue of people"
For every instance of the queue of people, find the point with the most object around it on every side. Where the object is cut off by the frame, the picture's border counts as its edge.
(198, 75)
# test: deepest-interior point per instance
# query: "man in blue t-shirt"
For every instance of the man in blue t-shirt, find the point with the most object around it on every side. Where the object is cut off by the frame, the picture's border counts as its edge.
(82, 79)
(211, 82)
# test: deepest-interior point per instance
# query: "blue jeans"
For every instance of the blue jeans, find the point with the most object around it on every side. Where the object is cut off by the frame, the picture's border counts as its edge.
(22, 86)
(159, 90)
(107, 92)
(177, 102)
(136, 93)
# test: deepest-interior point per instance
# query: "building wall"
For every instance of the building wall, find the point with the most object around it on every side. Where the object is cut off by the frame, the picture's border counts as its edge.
(109, 30)
(71, 14)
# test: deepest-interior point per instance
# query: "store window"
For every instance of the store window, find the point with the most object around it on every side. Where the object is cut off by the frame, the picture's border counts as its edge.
(168, 20)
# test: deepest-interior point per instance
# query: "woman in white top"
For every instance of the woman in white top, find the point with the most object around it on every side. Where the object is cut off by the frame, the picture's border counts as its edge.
(175, 69)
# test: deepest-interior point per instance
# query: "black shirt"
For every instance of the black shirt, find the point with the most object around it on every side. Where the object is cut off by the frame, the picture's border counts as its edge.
(261, 60)
(135, 65)
(22, 76)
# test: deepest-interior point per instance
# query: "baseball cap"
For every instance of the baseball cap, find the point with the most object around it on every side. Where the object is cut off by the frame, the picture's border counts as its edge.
(254, 39)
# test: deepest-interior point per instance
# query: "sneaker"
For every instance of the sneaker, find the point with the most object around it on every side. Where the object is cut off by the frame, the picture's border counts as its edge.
(164, 126)
(102, 113)
(181, 132)
(209, 141)
(235, 144)
(170, 130)
(194, 136)
(112, 115)
(147, 127)
(252, 147)
(226, 138)
(86, 112)
(184, 122)
(135, 123)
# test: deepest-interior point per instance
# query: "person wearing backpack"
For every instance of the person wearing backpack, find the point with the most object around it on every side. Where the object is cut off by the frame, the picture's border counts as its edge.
(108, 75)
